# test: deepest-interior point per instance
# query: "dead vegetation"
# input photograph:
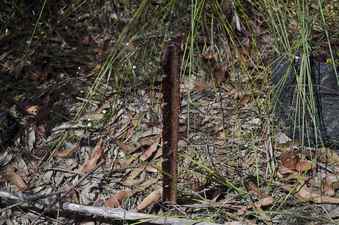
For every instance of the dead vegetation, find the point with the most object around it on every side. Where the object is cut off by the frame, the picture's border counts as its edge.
(82, 81)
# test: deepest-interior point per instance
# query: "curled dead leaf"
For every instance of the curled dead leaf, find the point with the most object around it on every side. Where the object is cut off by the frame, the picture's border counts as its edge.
(151, 169)
(12, 177)
(307, 194)
(284, 170)
(135, 177)
(267, 201)
(220, 73)
(244, 100)
(151, 199)
(201, 86)
(148, 140)
(264, 202)
(328, 188)
(303, 166)
(92, 161)
(150, 151)
(145, 185)
(123, 163)
(115, 201)
(289, 159)
(128, 148)
(252, 187)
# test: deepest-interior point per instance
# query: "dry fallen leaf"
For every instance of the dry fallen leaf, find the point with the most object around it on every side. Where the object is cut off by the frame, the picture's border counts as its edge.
(327, 187)
(303, 166)
(115, 201)
(92, 161)
(122, 163)
(135, 177)
(201, 86)
(307, 194)
(12, 177)
(151, 169)
(284, 170)
(148, 140)
(244, 100)
(158, 154)
(147, 184)
(196, 184)
(244, 55)
(328, 156)
(67, 152)
(220, 73)
(267, 201)
(128, 148)
(88, 223)
(252, 187)
(151, 199)
(289, 159)
(136, 181)
(149, 151)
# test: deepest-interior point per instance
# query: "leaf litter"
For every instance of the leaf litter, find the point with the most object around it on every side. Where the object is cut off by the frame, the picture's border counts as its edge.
(224, 141)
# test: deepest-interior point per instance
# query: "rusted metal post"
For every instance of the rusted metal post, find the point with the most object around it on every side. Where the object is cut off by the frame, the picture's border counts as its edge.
(171, 110)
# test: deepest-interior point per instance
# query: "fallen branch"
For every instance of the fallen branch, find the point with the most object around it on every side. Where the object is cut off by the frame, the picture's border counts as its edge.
(112, 214)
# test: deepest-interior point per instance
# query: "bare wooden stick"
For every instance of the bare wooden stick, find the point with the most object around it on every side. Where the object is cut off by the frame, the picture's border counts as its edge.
(171, 110)
(102, 213)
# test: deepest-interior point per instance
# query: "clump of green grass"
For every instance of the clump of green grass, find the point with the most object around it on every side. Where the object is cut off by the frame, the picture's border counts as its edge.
(293, 27)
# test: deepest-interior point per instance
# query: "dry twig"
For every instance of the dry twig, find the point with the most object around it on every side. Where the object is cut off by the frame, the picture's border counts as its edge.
(100, 213)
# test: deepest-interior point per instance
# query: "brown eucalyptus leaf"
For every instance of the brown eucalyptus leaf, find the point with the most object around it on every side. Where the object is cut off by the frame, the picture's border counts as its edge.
(244, 100)
(143, 186)
(289, 159)
(151, 169)
(306, 194)
(201, 86)
(148, 140)
(267, 201)
(151, 199)
(328, 188)
(128, 148)
(115, 201)
(95, 157)
(303, 166)
(252, 187)
(149, 151)
(123, 163)
(133, 179)
(130, 182)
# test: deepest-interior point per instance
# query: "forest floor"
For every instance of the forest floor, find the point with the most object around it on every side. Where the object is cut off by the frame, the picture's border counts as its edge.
(97, 142)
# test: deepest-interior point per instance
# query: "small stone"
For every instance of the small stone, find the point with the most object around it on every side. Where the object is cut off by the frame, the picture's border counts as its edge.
(282, 138)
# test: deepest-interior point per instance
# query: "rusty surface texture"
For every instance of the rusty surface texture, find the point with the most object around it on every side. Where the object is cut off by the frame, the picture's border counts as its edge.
(171, 110)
